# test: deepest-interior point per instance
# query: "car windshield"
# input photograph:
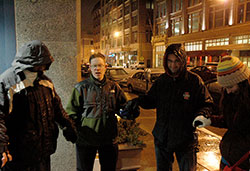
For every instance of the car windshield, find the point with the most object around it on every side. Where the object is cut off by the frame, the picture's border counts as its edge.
(118, 72)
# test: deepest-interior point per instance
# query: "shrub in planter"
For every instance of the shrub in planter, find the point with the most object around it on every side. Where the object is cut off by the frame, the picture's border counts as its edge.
(130, 133)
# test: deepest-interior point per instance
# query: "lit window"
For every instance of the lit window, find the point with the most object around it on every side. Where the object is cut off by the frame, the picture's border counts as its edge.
(242, 39)
(216, 42)
(193, 46)
(194, 21)
(176, 26)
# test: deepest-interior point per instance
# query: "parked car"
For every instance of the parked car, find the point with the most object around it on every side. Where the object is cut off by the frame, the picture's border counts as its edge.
(212, 66)
(204, 72)
(139, 82)
(117, 74)
(85, 70)
(139, 65)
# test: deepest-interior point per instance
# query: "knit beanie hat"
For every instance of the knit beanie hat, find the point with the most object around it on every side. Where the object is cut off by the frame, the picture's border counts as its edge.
(231, 71)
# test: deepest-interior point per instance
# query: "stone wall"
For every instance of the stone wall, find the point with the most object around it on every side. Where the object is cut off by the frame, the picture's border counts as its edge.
(54, 23)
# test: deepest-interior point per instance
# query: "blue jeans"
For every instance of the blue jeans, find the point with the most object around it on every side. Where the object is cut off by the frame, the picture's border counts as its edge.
(85, 156)
(186, 158)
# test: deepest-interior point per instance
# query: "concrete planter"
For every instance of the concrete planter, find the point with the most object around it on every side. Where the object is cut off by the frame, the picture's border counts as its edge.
(128, 157)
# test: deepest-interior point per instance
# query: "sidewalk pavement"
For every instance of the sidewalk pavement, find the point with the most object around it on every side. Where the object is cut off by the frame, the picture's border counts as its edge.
(208, 157)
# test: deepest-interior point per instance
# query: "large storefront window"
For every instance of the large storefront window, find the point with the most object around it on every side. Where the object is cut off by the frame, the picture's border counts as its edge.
(193, 46)
(245, 57)
(216, 42)
(245, 60)
(244, 39)
(159, 56)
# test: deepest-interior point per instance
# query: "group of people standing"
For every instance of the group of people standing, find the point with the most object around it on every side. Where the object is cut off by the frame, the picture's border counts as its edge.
(31, 111)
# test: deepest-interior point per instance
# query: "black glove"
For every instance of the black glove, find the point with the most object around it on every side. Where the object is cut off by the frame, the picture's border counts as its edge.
(131, 110)
(70, 134)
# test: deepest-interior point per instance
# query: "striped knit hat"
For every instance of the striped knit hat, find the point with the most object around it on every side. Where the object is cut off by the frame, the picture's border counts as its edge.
(231, 71)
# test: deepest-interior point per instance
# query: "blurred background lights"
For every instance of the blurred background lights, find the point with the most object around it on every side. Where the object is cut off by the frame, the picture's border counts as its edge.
(117, 34)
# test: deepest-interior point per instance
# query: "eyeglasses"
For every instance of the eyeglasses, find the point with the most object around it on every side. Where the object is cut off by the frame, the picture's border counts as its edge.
(97, 66)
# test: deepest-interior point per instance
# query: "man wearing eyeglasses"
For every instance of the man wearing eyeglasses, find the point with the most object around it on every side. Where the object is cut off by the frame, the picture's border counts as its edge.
(93, 105)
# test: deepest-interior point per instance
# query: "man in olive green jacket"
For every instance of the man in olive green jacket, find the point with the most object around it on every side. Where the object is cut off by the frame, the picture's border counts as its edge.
(93, 105)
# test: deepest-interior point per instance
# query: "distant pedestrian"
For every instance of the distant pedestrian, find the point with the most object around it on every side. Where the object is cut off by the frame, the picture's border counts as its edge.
(93, 105)
(30, 111)
(233, 76)
(179, 97)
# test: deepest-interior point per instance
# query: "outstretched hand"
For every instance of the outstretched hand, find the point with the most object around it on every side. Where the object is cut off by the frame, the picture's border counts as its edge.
(5, 158)
(131, 110)
(70, 134)
(201, 121)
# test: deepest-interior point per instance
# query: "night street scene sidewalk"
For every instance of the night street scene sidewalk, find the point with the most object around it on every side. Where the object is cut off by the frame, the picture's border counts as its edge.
(208, 156)
(128, 32)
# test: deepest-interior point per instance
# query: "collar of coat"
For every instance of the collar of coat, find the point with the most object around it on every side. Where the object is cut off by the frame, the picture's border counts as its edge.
(97, 82)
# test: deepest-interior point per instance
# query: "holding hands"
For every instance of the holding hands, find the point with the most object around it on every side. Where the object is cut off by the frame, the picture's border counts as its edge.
(131, 110)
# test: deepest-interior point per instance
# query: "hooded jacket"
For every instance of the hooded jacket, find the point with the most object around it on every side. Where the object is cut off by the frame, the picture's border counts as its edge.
(178, 100)
(30, 107)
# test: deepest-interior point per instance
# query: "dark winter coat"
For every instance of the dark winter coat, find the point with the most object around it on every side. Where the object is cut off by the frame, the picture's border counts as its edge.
(178, 99)
(236, 118)
(93, 106)
(29, 114)
(177, 102)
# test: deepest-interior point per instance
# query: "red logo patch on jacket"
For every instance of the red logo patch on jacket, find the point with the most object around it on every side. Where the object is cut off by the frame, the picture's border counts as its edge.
(186, 95)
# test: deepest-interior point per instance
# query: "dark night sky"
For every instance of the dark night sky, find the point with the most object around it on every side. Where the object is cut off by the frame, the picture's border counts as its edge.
(87, 6)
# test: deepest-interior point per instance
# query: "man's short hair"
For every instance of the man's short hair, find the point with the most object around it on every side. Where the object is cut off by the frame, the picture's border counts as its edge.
(97, 55)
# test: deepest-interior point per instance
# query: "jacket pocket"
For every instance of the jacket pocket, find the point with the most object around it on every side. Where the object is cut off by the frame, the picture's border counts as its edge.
(27, 148)
(91, 110)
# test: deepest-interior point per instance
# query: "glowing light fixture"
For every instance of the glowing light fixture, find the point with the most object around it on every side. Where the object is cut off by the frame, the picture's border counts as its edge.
(117, 34)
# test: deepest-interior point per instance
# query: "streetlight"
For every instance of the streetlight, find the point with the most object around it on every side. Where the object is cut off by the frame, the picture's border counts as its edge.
(117, 34)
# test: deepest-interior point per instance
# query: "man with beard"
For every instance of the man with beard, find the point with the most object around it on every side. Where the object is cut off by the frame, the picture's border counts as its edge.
(179, 96)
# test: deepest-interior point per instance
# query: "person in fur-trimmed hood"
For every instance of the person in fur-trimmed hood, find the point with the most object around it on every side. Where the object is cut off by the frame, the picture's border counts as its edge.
(179, 97)
(30, 111)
